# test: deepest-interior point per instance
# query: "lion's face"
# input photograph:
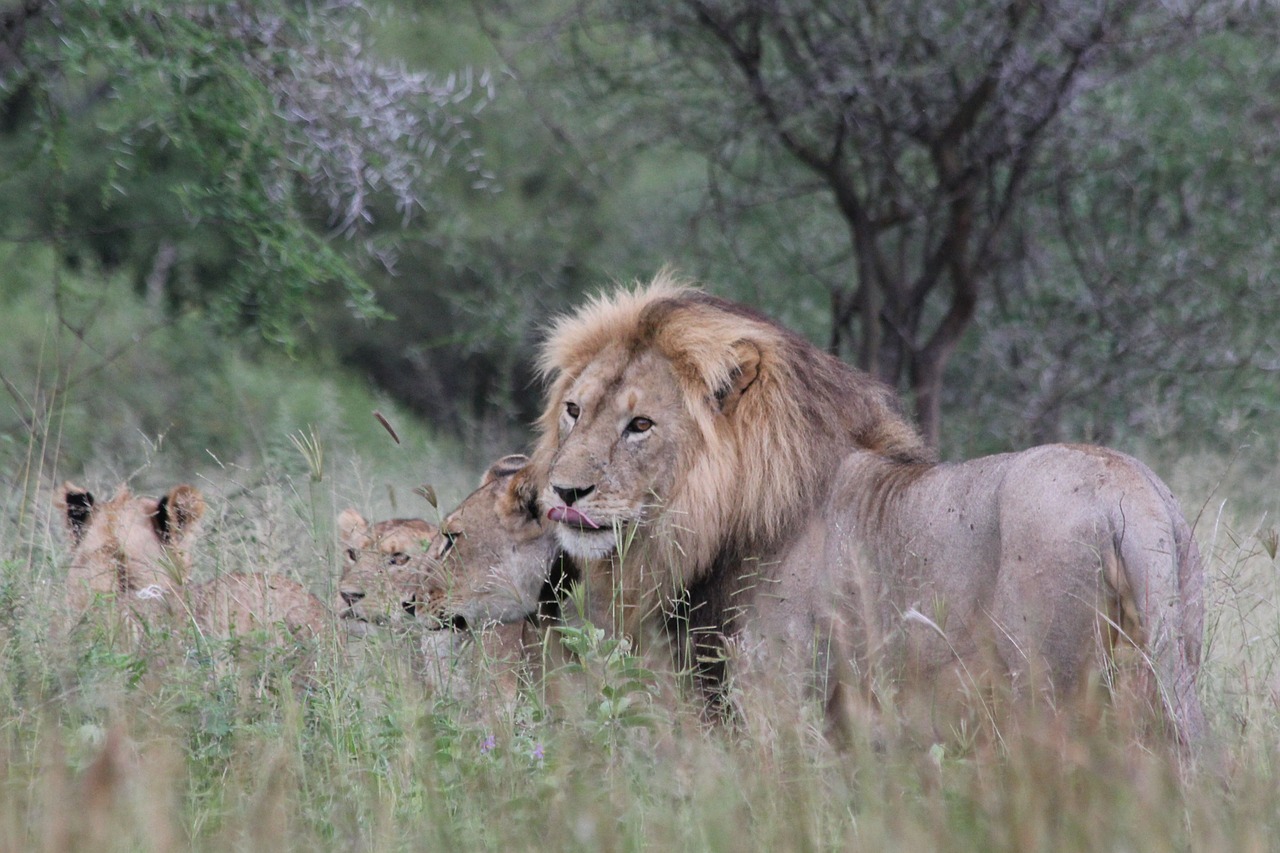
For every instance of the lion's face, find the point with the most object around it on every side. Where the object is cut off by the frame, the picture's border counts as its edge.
(494, 553)
(136, 547)
(383, 568)
(624, 435)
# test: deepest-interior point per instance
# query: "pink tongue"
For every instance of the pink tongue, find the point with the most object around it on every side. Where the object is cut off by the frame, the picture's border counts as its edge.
(569, 515)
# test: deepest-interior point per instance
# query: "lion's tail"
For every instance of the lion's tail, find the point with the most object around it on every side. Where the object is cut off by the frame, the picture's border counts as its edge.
(1166, 579)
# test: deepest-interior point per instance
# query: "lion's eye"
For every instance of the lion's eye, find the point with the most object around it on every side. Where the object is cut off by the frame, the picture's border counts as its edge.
(572, 410)
(639, 425)
(399, 558)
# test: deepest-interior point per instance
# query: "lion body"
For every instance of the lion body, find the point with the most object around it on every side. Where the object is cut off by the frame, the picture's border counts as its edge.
(489, 588)
(724, 483)
(1028, 567)
(239, 603)
(136, 551)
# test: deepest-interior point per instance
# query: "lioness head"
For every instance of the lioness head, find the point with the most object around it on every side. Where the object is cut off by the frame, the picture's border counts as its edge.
(128, 546)
(383, 567)
(494, 553)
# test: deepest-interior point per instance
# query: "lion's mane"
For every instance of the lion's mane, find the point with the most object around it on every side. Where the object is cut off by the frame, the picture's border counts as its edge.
(761, 468)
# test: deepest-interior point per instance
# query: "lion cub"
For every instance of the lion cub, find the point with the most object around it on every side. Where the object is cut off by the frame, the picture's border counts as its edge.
(383, 567)
(137, 551)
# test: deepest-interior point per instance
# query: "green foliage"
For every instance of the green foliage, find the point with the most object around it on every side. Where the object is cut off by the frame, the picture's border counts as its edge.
(620, 686)
(258, 164)
(215, 144)
(1111, 349)
(1144, 308)
(103, 387)
(186, 146)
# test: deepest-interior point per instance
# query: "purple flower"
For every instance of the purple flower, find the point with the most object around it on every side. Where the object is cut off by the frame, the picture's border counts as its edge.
(489, 743)
(537, 752)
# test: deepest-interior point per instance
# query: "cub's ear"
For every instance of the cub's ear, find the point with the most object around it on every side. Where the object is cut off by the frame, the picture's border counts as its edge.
(507, 466)
(178, 514)
(353, 530)
(76, 505)
(744, 374)
(524, 490)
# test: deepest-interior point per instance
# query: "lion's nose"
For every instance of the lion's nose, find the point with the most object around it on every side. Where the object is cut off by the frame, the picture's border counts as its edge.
(570, 494)
(350, 597)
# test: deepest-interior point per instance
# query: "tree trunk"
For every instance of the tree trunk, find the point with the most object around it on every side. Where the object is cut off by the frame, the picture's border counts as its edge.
(926, 383)
(872, 302)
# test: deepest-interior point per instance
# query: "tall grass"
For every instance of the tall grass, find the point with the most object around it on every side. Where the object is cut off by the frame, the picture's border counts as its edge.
(104, 745)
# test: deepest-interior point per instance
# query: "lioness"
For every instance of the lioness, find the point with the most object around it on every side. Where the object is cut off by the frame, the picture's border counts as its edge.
(497, 567)
(687, 451)
(396, 570)
(135, 548)
(137, 551)
(496, 552)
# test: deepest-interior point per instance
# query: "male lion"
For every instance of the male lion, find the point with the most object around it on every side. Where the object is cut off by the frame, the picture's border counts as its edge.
(137, 551)
(687, 453)
(383, 567)
(700, 436)
(1027, 566)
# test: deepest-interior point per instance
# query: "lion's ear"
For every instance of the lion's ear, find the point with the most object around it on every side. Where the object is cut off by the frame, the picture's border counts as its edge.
(77, 506)
(524, 490)
(178, 513)
(745, 373)
(353, 530)
(507, 466)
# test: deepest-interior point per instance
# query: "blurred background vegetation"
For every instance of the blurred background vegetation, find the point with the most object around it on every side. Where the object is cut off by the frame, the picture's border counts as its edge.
(224, 222)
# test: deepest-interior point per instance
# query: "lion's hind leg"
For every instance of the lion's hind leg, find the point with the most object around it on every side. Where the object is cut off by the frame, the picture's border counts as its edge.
(1051, 602)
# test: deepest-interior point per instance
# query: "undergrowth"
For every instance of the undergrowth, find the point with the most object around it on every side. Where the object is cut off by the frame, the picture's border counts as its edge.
(107, 744)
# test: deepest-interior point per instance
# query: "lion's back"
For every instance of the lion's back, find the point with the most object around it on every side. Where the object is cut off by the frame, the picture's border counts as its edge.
(234, 604)
(1028, 550)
